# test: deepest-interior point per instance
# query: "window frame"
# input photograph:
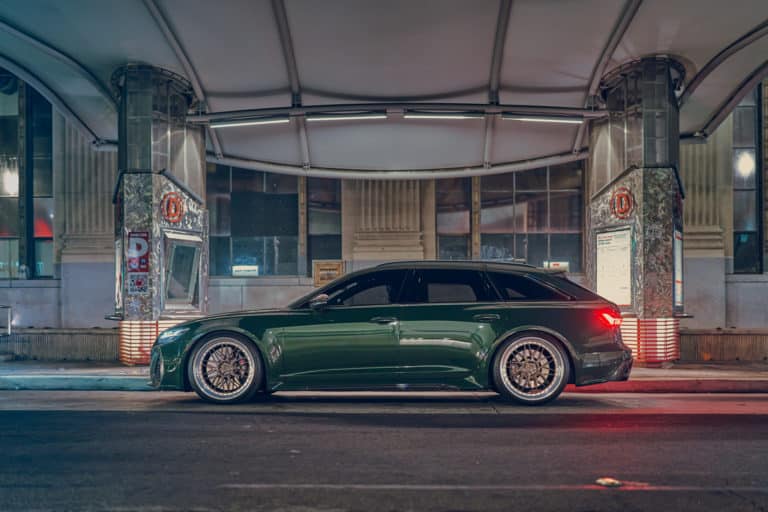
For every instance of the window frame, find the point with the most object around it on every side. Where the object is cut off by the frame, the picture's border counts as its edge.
(491, 294)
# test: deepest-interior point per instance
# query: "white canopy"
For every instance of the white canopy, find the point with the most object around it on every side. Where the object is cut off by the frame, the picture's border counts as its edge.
(392, 56)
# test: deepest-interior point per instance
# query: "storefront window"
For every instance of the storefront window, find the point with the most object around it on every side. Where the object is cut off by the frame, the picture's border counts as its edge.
(9, 176)
(747, 200)
(453, 203)
(253, 222)
(533, 216)
(40, 154)
(323, 220)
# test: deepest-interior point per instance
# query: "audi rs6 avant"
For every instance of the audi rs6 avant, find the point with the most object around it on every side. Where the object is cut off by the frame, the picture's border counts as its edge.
(514, 329)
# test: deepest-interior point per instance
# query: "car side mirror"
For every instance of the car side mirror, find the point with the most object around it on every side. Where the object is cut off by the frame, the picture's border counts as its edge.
(319, 302)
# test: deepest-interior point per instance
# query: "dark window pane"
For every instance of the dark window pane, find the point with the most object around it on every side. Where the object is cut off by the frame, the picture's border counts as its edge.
(566, 212)
(532, 248)
(497, 209)
(220, 256)
(376, 288)
(565, 176)
(437, 286)
(497, 247)
(453, 247)
(324, 247)
(566, 285)
(535, 179)
(453, 203)
(744, 212)
(9, 216)
(9, 258)
(744, 127)
(517, 287)
(531, 212)
(246, 180)
(219, 208)
(257, 214)
(565, 251)
(43, 220)
(744, 168)
(746, 253)
(323, 192)
(43, 258)
(42, 145)
(217, 179)
(264, 256)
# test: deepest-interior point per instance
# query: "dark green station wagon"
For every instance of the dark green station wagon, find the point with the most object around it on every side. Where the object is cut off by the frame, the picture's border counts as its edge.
(518, 330)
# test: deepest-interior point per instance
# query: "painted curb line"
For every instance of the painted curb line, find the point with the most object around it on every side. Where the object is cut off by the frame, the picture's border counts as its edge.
(73, 383)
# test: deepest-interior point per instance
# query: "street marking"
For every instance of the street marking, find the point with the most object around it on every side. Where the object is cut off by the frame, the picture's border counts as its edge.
(497, 488)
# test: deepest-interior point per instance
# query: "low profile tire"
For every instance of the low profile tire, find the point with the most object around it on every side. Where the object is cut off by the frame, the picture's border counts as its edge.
(530, 369)
(225, 369)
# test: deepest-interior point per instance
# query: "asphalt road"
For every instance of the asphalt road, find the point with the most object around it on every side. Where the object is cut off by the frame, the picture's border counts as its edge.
(454, 452)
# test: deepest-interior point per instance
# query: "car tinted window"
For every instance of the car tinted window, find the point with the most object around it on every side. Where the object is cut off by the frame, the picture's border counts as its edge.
(374, 289)
(519, 287)
(442, 286)
(573, 289)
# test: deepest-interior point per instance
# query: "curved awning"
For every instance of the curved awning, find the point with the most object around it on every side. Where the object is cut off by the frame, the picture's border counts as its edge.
(483, 57)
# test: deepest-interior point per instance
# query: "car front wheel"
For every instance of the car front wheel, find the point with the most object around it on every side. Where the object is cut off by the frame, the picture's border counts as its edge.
(531, 369)
(224, 369)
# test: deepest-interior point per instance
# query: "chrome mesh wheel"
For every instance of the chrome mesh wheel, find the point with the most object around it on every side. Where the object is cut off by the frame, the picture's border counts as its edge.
(531, 369)
(225, 369)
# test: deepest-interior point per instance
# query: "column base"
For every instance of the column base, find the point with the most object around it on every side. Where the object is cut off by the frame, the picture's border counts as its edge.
(655, 342)
(136, 337)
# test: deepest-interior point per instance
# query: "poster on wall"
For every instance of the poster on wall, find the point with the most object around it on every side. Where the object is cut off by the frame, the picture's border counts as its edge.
(325, 271)
(138, 283)
(614, 265)
(678, 271)
(138, 251)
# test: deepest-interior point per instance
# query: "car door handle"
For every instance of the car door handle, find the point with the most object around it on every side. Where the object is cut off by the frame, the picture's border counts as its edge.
(383, 319)
(488, 317)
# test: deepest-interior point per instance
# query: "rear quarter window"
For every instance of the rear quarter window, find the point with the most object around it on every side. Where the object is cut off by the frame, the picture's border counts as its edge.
(518, 287)
(576, 291)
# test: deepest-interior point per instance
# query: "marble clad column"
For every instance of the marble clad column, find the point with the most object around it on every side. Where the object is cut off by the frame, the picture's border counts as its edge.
(635, 193)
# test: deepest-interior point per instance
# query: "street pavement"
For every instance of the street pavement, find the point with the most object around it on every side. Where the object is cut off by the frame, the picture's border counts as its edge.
(123, 451)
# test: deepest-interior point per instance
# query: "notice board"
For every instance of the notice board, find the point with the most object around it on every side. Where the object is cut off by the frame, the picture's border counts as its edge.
(614, 265)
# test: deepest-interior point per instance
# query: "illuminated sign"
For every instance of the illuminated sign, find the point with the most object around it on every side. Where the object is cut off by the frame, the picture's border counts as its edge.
(614, 265)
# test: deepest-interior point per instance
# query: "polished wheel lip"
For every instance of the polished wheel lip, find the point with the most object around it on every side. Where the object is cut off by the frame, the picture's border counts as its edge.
(222, 354)
(539, 364)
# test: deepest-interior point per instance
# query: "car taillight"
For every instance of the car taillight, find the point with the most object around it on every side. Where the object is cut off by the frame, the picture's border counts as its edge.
(609, 317)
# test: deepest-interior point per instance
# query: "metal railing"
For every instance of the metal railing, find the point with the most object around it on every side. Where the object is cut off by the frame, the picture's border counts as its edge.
(6, 317)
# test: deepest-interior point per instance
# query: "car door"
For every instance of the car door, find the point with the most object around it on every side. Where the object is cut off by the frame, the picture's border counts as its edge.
(352, 342)
(445, 325)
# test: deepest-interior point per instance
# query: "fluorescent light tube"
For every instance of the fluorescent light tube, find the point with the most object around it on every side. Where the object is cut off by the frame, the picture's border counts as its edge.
(249, 122)
(436, 115)
(544, 119)
(346, 117)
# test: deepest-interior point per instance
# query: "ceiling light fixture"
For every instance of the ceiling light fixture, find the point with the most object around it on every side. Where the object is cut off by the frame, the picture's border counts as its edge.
(249, 122)
(437, 115)
(544, 119)
(347, 117)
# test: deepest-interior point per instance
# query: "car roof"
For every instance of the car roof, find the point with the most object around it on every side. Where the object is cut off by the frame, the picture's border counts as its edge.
(494, 265)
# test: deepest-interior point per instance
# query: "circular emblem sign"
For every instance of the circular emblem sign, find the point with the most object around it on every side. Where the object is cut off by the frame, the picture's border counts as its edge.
(172, 207)
(622, 203)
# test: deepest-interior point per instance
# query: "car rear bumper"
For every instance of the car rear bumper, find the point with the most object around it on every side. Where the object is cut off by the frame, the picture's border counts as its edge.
(600, 367)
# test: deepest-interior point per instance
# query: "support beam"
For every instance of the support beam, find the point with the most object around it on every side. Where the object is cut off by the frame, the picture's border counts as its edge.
(286, 43)
(620, 28)
(477, 108)
(742, 42)
(502, 23)
(386, 174)
(189, 69)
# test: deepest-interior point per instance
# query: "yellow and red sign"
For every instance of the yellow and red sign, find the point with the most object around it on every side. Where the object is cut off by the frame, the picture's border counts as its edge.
(172, 207)
(622, 203)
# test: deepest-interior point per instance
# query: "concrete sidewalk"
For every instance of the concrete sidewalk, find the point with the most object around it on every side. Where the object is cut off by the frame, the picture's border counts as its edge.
(680, 378)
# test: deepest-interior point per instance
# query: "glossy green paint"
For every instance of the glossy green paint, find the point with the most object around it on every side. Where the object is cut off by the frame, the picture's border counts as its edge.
(435, 345)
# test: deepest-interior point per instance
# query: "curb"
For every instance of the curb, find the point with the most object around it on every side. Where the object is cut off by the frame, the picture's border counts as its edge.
(675, 386)
(124, 383)
(73, 383)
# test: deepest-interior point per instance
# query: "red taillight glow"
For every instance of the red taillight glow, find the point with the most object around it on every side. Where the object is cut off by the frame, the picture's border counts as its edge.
(609, 317)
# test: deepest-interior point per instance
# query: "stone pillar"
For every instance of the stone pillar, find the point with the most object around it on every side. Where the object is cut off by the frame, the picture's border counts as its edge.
(161, 224)
(634, 254)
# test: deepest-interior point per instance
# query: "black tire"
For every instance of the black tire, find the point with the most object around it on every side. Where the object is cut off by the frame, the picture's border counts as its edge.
(225, 368)
(531, 368)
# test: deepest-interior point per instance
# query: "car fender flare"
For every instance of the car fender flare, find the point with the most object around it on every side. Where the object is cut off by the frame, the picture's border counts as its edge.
(200, 337)
(570, 351)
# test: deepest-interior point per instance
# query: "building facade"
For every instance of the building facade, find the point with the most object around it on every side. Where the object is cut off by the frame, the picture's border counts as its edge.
(57, 244)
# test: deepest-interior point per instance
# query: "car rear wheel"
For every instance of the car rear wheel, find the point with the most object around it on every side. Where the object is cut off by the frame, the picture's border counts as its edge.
(225, 369)
(531, 369)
